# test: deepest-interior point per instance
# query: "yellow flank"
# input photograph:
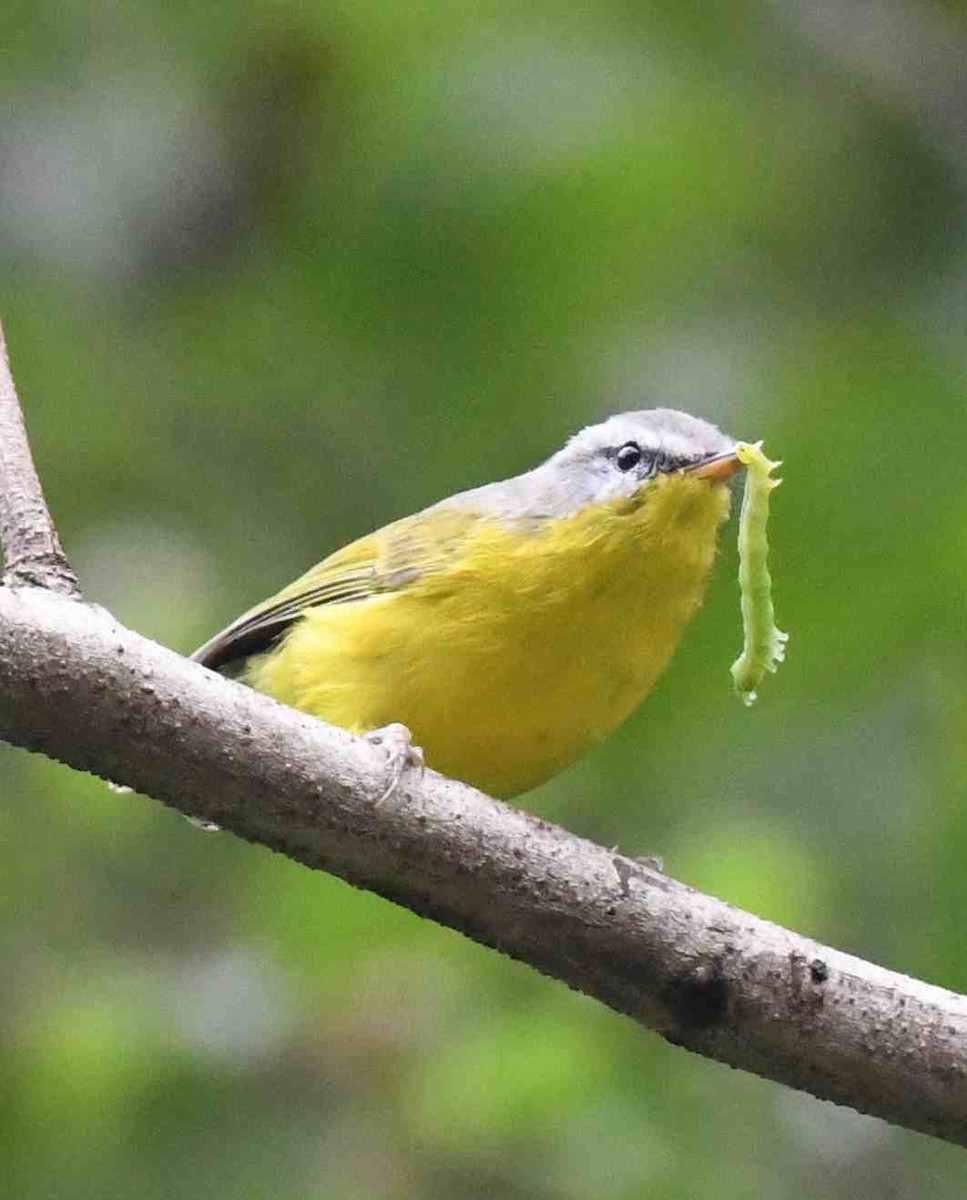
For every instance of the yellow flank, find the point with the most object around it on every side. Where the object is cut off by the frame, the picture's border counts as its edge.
(508, 652)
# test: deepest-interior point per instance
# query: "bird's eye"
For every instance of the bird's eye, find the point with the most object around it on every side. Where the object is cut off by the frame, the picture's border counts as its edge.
(628, 457)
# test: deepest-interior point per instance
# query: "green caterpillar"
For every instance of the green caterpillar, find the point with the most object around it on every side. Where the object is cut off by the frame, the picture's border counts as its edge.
(765, 645)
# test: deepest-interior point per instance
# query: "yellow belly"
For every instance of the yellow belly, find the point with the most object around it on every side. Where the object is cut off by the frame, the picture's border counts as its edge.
(527, 649)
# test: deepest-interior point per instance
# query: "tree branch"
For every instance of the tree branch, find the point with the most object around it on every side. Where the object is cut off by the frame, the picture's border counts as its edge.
(32, 552)
(80, 688)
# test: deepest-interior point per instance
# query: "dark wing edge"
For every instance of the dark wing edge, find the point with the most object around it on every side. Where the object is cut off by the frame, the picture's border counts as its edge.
(258, 630)
(234, 644)
(383, 562)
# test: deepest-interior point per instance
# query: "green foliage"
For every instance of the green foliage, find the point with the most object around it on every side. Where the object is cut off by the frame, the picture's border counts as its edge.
(278, 273)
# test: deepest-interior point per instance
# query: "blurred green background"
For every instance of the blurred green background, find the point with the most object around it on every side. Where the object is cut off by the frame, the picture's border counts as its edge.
(275, 273)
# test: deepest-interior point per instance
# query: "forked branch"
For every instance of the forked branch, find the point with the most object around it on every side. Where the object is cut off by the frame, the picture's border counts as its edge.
(32, 552)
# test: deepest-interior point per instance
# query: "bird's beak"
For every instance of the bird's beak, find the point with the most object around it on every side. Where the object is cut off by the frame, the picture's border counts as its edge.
(719, 469)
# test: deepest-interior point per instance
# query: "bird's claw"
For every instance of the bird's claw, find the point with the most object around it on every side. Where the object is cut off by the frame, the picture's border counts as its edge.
(397, 741)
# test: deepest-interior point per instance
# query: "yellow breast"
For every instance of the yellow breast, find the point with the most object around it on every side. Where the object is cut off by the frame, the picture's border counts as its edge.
(526, 649)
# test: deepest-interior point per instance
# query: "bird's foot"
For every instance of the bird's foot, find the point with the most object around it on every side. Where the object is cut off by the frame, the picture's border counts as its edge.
(397, 741)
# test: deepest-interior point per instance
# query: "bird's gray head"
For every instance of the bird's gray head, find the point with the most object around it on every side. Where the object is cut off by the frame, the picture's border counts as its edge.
(603, 462)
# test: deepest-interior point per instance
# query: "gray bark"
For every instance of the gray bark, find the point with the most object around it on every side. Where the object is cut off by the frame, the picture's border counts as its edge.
(80, 688)
(77, 686)
(31, 550)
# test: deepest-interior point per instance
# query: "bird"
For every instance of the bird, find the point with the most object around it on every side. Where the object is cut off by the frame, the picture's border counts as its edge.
(502, 632)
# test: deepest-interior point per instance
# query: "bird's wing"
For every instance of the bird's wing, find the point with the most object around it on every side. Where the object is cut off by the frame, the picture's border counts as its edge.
(385, 561)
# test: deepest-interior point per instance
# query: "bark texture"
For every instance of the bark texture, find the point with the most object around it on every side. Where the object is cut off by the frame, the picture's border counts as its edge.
(79, 687)
(31, 549)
